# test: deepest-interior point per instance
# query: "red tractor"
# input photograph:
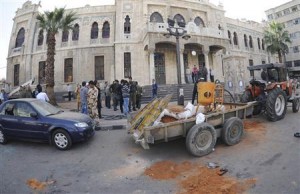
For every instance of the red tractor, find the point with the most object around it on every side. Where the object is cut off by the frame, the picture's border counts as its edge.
(273, 91)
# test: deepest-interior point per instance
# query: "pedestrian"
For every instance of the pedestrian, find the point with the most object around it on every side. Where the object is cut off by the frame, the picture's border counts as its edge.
(132, 100)
(107, 95)
(211, 75)
(77, 94)
(154, 89)
(202, 72)
(41, 95)
(98, 99)
(139, 93)
(125, 96)
(3, 96)
(119, 96)
(92, 99)
(195, 90)
(69, 88)
(83, 98)
(195, 72)
(114, 92)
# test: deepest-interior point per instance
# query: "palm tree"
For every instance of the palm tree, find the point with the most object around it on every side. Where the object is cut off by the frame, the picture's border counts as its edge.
(51, 22)
(276, 39)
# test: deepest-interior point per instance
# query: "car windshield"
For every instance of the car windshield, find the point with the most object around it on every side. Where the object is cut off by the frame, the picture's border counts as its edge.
(44, 108)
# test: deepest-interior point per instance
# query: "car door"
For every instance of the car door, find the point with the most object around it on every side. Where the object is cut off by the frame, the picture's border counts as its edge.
(30, 127)
(8, 121)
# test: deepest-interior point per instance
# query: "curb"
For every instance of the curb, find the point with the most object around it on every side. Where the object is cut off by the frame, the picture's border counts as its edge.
(112, 127)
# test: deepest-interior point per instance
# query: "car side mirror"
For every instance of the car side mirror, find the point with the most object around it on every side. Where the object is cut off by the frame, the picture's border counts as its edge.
(33, 114)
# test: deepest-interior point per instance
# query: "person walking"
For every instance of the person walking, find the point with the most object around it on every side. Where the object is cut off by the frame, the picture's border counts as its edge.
(132, 100)
(107, 95)
(125, 96)
(92, 100)
(83, 98)
(139, 93)
(69, 88)
(154, 89)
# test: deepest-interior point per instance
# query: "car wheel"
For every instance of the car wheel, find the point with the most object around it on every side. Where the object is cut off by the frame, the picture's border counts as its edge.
(3, 139)
(61, 139)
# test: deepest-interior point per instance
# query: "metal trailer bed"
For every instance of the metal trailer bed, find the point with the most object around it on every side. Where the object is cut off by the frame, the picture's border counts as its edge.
(200, 138)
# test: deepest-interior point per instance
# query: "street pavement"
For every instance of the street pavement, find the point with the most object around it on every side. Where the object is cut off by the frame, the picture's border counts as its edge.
(110, 119)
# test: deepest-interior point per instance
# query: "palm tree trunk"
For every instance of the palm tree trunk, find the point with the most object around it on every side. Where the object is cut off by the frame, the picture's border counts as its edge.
(280, 56)
(50, 68)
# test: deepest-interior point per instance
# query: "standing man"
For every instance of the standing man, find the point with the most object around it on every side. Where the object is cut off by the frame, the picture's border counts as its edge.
(203, 72)
(92, 102)
(97, 85)
(69, 88)
(114, 92)
(154, 89)
(195, 72)
(139, 93)
(132, 100)
(107, 95)
(83, 98)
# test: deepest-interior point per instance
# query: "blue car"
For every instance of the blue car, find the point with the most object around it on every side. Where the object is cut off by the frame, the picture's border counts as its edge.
(33, 119)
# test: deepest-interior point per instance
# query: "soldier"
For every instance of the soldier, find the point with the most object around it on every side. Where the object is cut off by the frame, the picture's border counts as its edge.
(92, 101)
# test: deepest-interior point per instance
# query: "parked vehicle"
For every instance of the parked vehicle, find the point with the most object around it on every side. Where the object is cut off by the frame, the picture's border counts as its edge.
(33, 119)
(273, 91)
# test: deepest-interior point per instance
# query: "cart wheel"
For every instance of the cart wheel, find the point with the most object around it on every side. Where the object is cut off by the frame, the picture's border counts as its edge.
(201, 139)
(232, 131)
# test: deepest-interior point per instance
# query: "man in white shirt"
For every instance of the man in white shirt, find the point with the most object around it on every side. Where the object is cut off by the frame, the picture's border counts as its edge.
(41, 95)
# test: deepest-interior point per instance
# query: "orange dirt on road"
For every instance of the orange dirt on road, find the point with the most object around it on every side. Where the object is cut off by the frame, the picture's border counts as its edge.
(194, 179)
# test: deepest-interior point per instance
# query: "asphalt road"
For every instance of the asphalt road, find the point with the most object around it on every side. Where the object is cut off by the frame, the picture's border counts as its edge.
(112, 163)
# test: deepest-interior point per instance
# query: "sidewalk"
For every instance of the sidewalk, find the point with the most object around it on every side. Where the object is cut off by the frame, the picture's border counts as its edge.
(110, 119)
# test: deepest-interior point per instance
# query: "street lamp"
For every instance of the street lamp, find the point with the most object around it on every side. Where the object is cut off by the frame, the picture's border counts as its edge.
(177, 31)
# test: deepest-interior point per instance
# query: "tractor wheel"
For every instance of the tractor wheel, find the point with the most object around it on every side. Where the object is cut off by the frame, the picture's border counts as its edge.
(246, 96)
(296, 105)
(276, 104)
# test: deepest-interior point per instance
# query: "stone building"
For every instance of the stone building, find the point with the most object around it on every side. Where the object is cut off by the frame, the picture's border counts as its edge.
(289, 15)
(129, 39)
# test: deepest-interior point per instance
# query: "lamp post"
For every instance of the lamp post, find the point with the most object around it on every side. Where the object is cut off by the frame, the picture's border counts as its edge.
(177, 31)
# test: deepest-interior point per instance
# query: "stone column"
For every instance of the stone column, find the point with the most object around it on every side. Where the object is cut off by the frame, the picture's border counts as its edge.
(151, 65)
(206, 53)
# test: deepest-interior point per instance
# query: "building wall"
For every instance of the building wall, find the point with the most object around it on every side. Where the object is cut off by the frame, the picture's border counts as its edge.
(289, 15)
(146, 38)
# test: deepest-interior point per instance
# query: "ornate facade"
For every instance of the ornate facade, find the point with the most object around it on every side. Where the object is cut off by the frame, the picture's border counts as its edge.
(127, 39)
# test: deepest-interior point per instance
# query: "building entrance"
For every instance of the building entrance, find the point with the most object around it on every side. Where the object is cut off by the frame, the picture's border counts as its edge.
(160, 69)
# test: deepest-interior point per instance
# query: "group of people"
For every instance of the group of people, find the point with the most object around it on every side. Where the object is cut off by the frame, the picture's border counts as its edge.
(126, 94)
(202, 73)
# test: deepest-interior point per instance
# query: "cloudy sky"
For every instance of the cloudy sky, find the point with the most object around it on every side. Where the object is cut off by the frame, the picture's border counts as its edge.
(249, 9)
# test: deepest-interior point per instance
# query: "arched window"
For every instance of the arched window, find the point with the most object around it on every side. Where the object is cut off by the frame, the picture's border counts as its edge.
(156, 18)
(127, 25)
(65, 36)
(250, 42)
(41, 38)
(94, 31)
(229, 36)
(235, 38)
(179, 18)
(75, 34)
(20, 38)
(258, 43)
(245, 40)
(105, 30)
(199, 22)
(262, 44)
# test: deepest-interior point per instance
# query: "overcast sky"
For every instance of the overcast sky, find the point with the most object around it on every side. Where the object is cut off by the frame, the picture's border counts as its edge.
(248, 9)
